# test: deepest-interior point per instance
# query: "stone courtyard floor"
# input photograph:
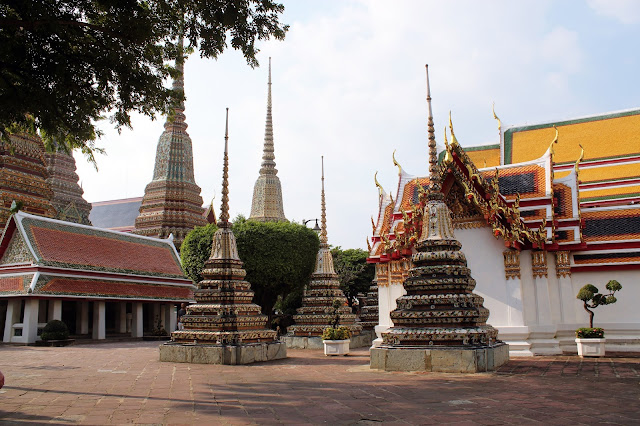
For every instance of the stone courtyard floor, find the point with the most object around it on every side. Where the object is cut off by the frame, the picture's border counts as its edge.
(124, 382)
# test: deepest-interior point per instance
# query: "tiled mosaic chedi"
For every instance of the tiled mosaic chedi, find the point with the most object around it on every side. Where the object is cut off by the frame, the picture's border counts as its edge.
(266, 205)
(67, 194)
(23, 177)
(172, 204)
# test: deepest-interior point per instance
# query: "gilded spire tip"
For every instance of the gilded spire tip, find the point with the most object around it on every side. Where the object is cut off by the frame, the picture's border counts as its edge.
(224, 209)
(323, 227)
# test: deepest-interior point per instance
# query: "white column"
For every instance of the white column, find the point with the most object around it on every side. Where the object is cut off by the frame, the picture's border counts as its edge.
(122, 317)
(30, 320)
(516, 307)
(99, 331)
(55, 310)
(13, 309)
(84, 316)
(137, 320)
(171, 318)
(543, 304)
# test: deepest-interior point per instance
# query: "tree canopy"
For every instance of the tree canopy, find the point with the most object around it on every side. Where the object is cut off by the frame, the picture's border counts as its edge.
(65, 64)
(278, 257)
(354, 272)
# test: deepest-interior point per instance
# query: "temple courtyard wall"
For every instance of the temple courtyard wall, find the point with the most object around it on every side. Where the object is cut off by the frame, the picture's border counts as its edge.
(535, 315)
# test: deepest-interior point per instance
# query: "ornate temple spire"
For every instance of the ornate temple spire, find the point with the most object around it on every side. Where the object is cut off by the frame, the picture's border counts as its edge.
(433, 152)
(434, 190)
(224, 320)
(323, 215)
(268, 164)
(439, 308)
(323, 289)
(172, 203)
(224, 208)
(67, 193)
(266, 205)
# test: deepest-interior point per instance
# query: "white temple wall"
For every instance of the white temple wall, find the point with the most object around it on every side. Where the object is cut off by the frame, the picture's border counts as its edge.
(535, 315)
(484, 258)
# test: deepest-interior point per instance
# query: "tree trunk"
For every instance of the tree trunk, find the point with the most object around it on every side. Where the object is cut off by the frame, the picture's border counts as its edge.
(586, 308)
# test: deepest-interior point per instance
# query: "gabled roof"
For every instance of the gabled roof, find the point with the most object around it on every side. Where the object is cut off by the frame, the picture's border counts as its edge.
(48, 257)
(63, 244)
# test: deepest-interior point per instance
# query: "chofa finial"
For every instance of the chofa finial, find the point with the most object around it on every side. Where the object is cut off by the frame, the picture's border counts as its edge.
(554, 141)
(395, 162)
(493, 110)
(375, 178)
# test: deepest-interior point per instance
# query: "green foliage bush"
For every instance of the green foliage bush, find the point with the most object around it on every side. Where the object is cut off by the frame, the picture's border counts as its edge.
(354, 272)
(278, 257)
(55, 330)
(340, 333)
(590, 333)
(195, 251)
(590, 296)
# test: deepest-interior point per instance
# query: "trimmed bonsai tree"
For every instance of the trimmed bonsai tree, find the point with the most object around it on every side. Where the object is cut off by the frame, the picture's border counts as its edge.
(592, 298)
(335, 331)
(55, 330)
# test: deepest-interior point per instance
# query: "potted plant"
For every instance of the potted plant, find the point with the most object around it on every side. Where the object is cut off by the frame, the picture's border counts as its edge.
(55, 333)
(335, 337)
(158, 333)
(591, 340)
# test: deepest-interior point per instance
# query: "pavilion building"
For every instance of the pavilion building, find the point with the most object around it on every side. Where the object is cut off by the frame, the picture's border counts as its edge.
(266, 204)
(23, 177)
(67, 194)
(172, 204)
(100, 283)
(554, 206)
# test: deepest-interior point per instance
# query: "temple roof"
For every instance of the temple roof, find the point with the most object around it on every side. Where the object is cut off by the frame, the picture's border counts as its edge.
(582, 202)
(43, 256)
(63, 244)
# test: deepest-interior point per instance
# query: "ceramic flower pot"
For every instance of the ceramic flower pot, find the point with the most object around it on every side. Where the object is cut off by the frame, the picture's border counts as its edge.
(336, 347)
(590, 347)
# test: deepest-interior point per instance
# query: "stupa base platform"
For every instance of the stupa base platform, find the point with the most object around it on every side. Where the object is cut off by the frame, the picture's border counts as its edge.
(300, 342)
(222, 354)
(442, 359)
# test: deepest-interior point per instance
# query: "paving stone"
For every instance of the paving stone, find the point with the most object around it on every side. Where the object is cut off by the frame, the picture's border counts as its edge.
(78, 385)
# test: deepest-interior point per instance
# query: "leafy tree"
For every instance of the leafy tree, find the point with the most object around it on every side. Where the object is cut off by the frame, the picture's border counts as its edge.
(66, 63)
(278, 257)
(196, 249)
(590, 296)
(353, 270)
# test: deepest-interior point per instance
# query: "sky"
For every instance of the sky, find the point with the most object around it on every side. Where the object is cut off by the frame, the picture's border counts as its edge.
(349, 84)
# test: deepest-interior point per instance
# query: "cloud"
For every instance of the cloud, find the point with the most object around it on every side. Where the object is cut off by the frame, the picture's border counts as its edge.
(349, 84)
(625, 11)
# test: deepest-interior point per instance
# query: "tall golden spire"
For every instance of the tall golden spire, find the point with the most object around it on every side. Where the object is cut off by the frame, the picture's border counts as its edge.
(266, 204)
(434, 178)
(224, 209)
(323, 233)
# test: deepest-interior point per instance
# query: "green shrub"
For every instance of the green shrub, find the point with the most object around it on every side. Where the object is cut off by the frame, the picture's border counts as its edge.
(591, 298)
(340, 333)
(590, 333)
(55, 330)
